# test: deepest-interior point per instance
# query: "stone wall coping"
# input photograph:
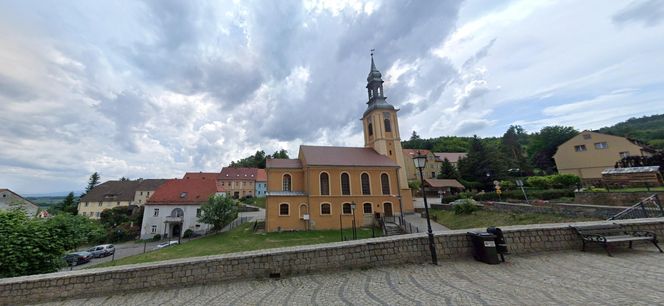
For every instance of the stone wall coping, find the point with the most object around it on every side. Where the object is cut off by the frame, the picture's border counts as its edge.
(304, 248)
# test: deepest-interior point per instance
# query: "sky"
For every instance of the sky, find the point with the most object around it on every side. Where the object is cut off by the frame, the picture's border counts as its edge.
(152, 89)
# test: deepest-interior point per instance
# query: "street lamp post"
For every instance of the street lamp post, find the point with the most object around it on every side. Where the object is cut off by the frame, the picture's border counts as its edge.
(421, 161)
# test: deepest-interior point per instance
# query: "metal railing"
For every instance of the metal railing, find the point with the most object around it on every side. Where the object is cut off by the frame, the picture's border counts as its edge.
(407, 226)
(237, 222)
(649, 207)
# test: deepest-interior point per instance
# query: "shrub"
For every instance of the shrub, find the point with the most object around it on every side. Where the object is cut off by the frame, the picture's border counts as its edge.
(467, 208)
(565, 181)
(507, 185)
(156, 237)
(539, 182)
(188, 233)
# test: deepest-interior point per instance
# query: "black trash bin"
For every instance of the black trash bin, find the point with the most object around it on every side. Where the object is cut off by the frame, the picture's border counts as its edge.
(484, 247)
(501, 244)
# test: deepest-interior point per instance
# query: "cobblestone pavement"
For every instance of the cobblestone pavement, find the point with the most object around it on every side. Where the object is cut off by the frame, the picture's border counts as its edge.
(565, 278)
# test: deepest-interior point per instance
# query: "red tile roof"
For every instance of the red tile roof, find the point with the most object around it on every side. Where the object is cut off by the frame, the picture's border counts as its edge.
(232, 173)
(201, 175)
(283, 163)
(452, 157)
(261, 175)
(413, 152)
(184, 191)
(344, 156)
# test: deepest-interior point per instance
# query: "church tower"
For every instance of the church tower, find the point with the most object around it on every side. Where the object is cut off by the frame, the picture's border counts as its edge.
(381, 127)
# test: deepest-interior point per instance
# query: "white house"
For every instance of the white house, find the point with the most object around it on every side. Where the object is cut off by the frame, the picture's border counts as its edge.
(176, 206)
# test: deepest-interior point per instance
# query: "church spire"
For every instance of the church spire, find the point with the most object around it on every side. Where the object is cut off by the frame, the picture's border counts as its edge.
(375, 89)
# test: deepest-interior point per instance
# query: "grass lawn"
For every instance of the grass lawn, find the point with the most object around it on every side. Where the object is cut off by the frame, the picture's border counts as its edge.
(260, 202)
(485, 218)
(238, 240)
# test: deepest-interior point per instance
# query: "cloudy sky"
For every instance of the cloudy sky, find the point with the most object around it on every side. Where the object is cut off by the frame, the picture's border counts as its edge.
(157, 88)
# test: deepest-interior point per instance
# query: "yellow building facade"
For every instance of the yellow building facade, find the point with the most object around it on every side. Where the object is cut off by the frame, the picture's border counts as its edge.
(329, 187)
(589, 153)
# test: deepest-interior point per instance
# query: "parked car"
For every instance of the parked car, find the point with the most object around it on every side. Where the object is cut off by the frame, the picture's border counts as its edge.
(167, 244)
(102, 250)
(78, 258)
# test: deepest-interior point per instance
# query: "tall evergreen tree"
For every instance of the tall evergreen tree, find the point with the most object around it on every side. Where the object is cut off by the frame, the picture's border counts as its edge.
(483, 164)
(447, 170)
(512, 146)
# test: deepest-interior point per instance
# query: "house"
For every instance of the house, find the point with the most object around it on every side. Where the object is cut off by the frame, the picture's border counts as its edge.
(238, 182)
(434, 162)
(431, 169)
(176, 205)
(10, 200)
(145, 189)
(589, 153)
(43, 214)
(329, 187)
(261, 183)
(115, 194)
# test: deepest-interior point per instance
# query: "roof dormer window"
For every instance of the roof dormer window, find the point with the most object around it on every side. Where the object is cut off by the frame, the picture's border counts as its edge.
(183, 195)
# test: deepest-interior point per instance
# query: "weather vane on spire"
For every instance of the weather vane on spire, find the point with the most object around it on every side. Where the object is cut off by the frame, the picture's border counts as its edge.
(372, 51)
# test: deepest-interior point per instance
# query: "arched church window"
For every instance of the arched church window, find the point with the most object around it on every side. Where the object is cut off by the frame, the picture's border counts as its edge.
(324, 184)
(345, 184)
(286, 182)
(366, 188)
(385, 183)
(388, 126)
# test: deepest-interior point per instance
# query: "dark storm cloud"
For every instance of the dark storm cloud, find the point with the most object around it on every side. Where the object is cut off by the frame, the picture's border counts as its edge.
(648, 12)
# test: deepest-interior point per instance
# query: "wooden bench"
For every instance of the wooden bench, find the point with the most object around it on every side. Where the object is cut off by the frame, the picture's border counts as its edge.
(606, 234)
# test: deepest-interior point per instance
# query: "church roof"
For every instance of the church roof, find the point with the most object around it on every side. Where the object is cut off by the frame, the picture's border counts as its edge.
(283, 163)
(344, 156)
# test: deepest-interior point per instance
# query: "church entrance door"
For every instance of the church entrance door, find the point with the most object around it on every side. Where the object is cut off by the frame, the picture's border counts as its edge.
(388, 209)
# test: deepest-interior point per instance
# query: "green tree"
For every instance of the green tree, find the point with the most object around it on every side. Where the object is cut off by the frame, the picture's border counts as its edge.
(447, 170)
(75, 230)
(512, 146)
(482, 165)
(218, 211)
(92, 182)
(543, 145)
(115, 216)
(68, 205)
(280, 154)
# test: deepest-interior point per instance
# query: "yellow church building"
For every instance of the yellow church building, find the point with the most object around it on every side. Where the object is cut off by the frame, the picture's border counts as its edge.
(328, 187)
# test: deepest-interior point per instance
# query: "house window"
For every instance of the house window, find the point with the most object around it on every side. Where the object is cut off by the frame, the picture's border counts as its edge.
(580, 148)
(118, 203)
(286, 182)
(624, 154)
(198, 212)
(156, 212)
(283, 209)
(325, 209)
(345, 184)
(586, 136)
(142, 194)
(99, 204)
(367, 208)
(148, 193)
(324, 184)
(433, 174)
(370, 127)
(346, 209)
(97, 214)
(86, 204)
(601, 145)
(385, 183)
(366, 188)
(153, 229)
(388, 126)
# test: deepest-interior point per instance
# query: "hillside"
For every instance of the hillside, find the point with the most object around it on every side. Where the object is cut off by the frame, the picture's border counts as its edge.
(649, 129)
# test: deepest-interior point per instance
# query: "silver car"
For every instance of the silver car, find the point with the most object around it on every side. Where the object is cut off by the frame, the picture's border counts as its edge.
(102, 250)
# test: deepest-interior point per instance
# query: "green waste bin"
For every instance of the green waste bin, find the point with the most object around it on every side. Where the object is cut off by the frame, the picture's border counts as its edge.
(484, 247)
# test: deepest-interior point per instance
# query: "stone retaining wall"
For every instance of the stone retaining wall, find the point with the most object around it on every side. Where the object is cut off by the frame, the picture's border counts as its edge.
(412, 248)
(614, 198)
(572, 210)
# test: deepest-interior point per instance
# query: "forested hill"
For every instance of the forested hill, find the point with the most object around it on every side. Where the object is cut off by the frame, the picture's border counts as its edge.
(649, 129)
